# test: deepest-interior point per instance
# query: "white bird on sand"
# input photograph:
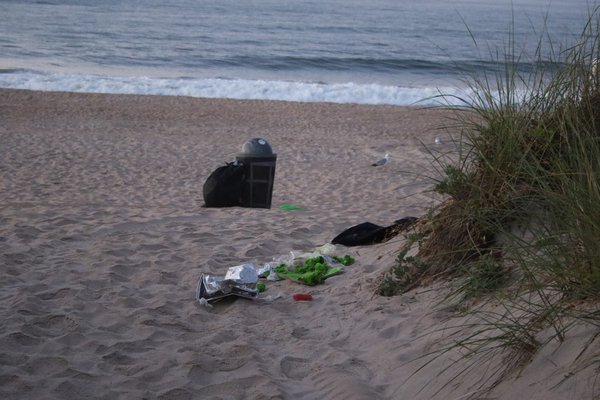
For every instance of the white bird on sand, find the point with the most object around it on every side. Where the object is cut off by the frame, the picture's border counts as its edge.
(382, 161)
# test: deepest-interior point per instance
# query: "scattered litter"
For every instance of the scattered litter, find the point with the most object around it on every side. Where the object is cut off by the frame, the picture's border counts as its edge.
(311, 271)
(270, 298)
(290, 207)
(205, 303)
(345, 261)
(264, 271)
(242, 274)
(268, 271)
(308, 268)
(368, 233)
(328, 249)
(239, 281)
(273, 276)
(302, 297)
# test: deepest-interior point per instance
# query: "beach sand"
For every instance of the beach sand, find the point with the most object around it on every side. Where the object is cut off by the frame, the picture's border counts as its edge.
(103, 239)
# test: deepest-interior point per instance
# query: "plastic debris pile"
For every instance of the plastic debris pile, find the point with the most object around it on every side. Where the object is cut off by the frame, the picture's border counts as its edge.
(310, 268)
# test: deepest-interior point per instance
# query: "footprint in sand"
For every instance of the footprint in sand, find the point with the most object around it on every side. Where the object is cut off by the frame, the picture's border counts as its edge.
(27, 233)
(300, 332)
(54, 325)
(295, 368)
(225, 336)
(176, 394)
(391, 331)
(44, 366)
(168, 278)
(339, 385)
(22, 339)
(118, 358)
(123, 271)
(120, 253)
(55, 295)
(357, 368)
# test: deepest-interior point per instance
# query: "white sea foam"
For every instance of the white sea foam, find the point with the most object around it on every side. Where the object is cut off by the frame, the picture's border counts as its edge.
(230, 88)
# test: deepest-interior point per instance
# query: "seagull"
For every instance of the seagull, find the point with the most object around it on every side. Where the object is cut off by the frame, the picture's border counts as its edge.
(382, 161)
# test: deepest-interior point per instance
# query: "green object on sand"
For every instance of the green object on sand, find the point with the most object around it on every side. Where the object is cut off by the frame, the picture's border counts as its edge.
(261, 287)
(312, 272)
(290, 207)
(345, 261)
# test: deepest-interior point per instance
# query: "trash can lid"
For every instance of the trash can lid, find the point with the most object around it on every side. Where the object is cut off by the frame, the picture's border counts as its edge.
(257, 147)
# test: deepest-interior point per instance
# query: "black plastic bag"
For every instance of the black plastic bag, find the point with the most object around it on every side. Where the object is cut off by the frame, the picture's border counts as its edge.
(361, 234)
(223, 187)
(369, 233)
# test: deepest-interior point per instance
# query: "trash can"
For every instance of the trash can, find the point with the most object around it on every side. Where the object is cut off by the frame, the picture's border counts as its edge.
(258, 160)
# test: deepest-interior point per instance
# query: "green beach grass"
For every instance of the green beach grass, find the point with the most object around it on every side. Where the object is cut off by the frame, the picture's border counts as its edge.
(521, 224)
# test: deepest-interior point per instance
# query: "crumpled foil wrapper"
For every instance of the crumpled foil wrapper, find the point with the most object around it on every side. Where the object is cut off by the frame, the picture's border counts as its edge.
(242, 274)
(238, 281)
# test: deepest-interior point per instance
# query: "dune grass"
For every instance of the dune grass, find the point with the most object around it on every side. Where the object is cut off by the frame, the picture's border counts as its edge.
(521, 223)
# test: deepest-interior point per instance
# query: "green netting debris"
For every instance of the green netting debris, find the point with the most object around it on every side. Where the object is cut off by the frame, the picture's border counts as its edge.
(314, 270)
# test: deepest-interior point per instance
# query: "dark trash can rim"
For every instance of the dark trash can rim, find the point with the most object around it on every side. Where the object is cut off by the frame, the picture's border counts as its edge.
(256, 147)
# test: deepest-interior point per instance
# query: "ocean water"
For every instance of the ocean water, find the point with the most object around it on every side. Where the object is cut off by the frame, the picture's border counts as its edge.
(397, 52)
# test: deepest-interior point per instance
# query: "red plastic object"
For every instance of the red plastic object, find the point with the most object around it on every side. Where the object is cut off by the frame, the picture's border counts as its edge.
(302, 297)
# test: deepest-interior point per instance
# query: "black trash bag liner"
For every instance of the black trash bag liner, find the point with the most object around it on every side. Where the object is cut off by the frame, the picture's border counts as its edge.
(223, 187)
(368, 233)
(405, 222)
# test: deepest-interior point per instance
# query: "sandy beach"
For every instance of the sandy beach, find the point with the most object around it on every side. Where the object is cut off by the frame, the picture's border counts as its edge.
(103, 238)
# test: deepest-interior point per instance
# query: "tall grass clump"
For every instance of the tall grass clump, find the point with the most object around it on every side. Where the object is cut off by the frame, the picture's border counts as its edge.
(521, 223)
(534, 164)
(526, 192)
